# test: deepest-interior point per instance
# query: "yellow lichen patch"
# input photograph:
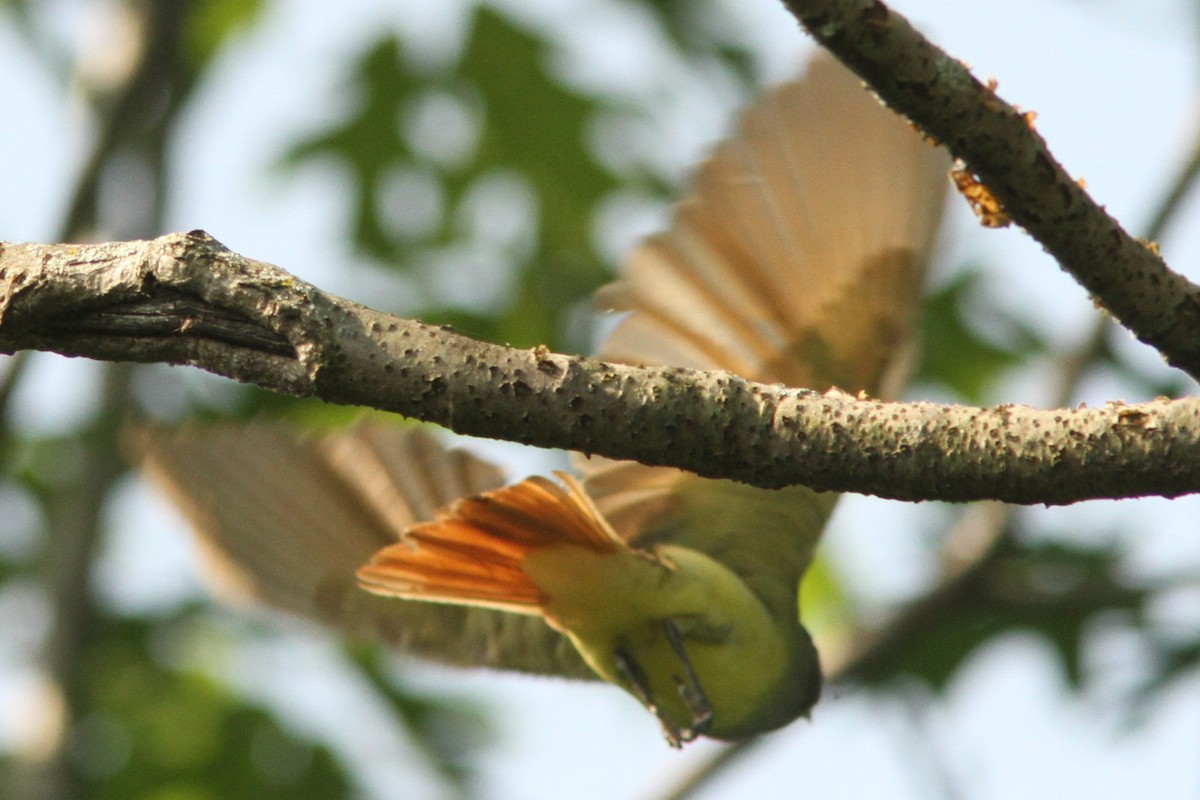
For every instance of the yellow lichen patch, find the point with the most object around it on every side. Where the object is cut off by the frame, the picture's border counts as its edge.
(985, 205)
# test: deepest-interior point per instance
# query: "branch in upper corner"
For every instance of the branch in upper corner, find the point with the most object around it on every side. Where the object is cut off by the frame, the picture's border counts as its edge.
(1000, 146)
(184, 298)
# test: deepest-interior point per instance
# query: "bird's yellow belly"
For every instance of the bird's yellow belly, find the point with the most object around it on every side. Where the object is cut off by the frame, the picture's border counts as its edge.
(618, 605)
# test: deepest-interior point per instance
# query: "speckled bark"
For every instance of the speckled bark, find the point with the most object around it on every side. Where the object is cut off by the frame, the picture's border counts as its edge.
(999, 144)
(185, 299)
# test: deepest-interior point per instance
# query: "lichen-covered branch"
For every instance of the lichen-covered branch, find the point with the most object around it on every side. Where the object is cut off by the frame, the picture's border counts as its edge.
(1000, 146)
(186, 299)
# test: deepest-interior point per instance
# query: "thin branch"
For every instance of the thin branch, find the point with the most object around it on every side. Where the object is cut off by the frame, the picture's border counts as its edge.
(1072, 369)
(720, 761)
(15, 369)
(1001, 147)
(986, 523)
(1179, 190)
(920, 750)
(138, 115)
(254, 322)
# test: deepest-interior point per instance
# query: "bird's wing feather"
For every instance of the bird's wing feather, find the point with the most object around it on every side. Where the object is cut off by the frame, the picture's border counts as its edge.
(799, 256)
(798, 259)
(288, 520)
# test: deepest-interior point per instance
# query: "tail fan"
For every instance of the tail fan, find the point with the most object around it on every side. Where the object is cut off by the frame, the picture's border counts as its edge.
(472, 552)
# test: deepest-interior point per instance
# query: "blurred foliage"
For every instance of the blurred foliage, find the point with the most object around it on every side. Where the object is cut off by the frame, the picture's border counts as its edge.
(213, 23)
(523, 133)
(19, 12)
(699, 31)
(474, 176)
(955, 353)
(448, 733)
(147, 730)
(1059, 592)
(1174, 659)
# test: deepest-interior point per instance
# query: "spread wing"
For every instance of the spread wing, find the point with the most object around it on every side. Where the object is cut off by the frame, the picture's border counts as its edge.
(798, 259)
(288, 520)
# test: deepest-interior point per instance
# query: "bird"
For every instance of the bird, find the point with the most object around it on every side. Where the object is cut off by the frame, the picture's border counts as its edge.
(797, 258)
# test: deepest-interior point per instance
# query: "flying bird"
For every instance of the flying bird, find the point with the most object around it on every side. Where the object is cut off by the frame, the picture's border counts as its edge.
(798, 258)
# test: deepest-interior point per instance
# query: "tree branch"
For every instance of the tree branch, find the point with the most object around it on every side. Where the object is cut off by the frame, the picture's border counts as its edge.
(186, 299)
(1000, 146)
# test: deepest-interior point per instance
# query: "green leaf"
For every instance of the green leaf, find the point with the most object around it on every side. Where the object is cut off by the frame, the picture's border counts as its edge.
(954, 352)
(826, 609)
(1172, 660)
(531, 127)
(536, 126)
(368, 140)
(212, 23)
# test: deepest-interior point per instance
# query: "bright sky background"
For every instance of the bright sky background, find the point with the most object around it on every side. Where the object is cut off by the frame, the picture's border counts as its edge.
(1114, 85)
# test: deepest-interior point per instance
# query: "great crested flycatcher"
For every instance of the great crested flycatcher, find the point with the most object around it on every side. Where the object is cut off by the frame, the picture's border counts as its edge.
(798, 259)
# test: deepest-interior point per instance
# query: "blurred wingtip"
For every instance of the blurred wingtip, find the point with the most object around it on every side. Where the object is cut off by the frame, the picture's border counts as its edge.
(774, 257)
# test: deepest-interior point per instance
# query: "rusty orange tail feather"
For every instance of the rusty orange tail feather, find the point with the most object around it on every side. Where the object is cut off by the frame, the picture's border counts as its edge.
(471, 553)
